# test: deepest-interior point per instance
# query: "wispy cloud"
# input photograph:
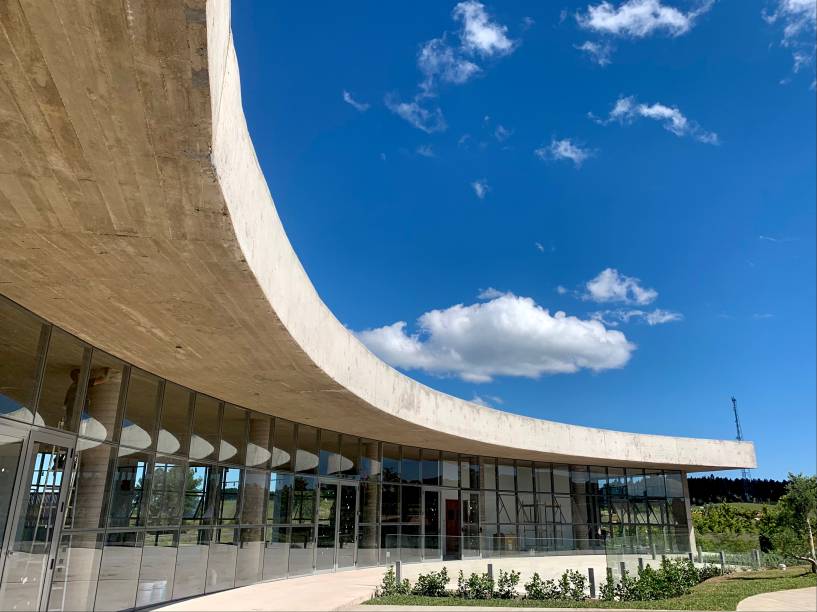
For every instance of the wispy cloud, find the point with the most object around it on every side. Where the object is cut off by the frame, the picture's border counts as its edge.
(539, 247)
(799, 21)
(490, 293)
(612, 286)
(425, 151)
(627, 109)
(501, 133)
(488, 401)
(480, 188)
(506, 336)
(598, 52)
(639, 18)
(564, 149)
(775, 240)
(359, 106)
(615, 317)
(427, 120)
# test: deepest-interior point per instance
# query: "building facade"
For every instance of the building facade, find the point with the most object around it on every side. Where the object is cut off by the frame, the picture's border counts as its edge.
(179, 411)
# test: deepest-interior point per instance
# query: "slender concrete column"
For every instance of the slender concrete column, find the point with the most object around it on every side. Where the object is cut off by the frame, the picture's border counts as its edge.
(685, 486)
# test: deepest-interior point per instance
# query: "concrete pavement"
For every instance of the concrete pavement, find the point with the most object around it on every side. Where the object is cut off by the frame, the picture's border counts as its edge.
(793, 600)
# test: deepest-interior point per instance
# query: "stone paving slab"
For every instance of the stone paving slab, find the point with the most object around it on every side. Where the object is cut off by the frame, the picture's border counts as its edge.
(794, 600)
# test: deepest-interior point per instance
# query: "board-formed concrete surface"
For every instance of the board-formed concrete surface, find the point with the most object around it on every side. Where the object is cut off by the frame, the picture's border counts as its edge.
(136, 216)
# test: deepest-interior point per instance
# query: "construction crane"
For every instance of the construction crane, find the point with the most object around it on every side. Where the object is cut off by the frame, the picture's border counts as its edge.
(744, 473)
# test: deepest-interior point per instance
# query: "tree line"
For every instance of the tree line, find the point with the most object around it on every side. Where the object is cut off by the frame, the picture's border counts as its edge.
(716, 489)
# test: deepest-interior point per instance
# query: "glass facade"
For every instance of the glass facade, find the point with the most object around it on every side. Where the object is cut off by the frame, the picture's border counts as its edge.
(172, 493)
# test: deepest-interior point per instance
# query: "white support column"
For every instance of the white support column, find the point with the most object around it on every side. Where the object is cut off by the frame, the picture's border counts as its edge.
(685, 485)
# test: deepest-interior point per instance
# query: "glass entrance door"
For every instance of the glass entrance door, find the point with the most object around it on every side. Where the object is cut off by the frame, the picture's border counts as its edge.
(347, 531)
(337, 526)
(432, 546)
(32, 533)
(327, 526)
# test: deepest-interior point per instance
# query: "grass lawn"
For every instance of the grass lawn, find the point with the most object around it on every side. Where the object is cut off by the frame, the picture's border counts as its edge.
(722, 593)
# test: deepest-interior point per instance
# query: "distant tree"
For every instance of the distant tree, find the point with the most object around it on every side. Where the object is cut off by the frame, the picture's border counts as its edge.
(716, 489)
(789, 527)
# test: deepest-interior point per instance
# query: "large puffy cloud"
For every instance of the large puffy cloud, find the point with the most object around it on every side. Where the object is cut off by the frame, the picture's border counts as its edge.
(506, 336)
(479, 33)
(639, 18)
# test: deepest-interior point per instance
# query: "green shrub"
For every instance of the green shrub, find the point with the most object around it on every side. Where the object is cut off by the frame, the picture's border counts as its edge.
(709, 571)
(506, 584)
(433, 584)
(391, 586)
(477, 586)
(536, 588)
(670, 579)
(573, 584)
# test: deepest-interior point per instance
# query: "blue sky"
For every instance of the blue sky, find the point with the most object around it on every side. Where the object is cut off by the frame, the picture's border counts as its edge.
(646, 168)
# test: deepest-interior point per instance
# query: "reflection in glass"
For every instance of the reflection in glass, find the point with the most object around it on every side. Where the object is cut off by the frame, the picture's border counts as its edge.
(561, 479)
(276, 553)
(391, 463)
(301, 546)
(450, 471)
(73, 585)
(284, 448)
(19, 357)
(10, 449)
(119, 571)
(221, 561)
(252, 504)
(191, 563)
(128, 484)
(327, 517)
(674, 483)
(166, 491)
(230, 494)
(410, 466)
(524, 476)
(57, 405)
(259, 431)
(431, 467)
(89, 486)
(369, 459)
(369, 501)
(329, 460)
(101, 397)
(506, 475)
(367, 545)
(158, 568)
(200, 494)
(487, 471)
(250, 555)
(279, 497)
(347, 509)
(233, 434)
(303, 500)
(204, 442)
(306, 457)
(390, 506)
(469, 473)
(141, 408)
(174, 431)
(349, 455)
(410, 504)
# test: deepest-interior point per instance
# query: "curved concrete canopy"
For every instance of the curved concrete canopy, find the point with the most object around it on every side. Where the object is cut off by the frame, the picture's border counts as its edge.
(136, 216)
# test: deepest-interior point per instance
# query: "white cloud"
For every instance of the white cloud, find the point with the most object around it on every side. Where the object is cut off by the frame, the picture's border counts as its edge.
(501, 133)
(539, 247)
(639, 18)
(561, 290)
(653, 317)
(611, 286)
(598, 52)
(775, 240)
(799, 20)
(479, 34)
(564, 149)
(425, 151)
(490, 293)
(627, 109)
(360, 106)
(488, 401)
(438, 61)
(422, 118)
(506, 336)
(480, 188)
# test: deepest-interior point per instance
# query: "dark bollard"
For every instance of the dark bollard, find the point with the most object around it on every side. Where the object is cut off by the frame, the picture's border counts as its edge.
(623, 568)
(723, 563)
(398, 570)
(640, 564)
(491, 571)
(591, 579)
(690, 557)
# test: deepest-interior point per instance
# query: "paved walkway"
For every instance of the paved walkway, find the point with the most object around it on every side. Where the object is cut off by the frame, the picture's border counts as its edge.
(793, 600)
(337, 591)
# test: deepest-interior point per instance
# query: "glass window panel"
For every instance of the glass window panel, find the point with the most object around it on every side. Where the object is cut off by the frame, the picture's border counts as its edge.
(89, 486)
(303, 500)
(349, 456)
(367, 545)
(259, 440)
(507, 508)
(489, 507)
(544, 508)
(657, 512)
(389, 544)
(129, 481)
(166, 491)
(20, 342)
(507, 473)
(174, 431)
(191, 563)
(410, 466)
(306, 458)
(488, 473)
(586, 509)
(158, 568)
(204, 441)
(619, 510)
(469, 473)
(391, 463)
(674, 483)
(524, 476)
(279, 497)
(101, 398)
(598, 479)
(200, 494)
(10, 450)
(451, 470)
(276, 553)
(229, 494)
(284, 448)
(562, 509)
(250, 556)
(76, 572)
(579, 478)
(233, 434)
(411, 544)
(410, 503)
(431, 467)
(301, 547)
(57, 405)
(655, 483)
(470, 507)
(252, 504)
(369, 459)
(561, 479)
(638, 512)
(390, 512)
(542, 476)
(616, 482)
(141, 409)
(221, 560)
(119, 571)
(369, 492)
(329, 460)
(636, 487)
(677, 512)
(527, 509)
